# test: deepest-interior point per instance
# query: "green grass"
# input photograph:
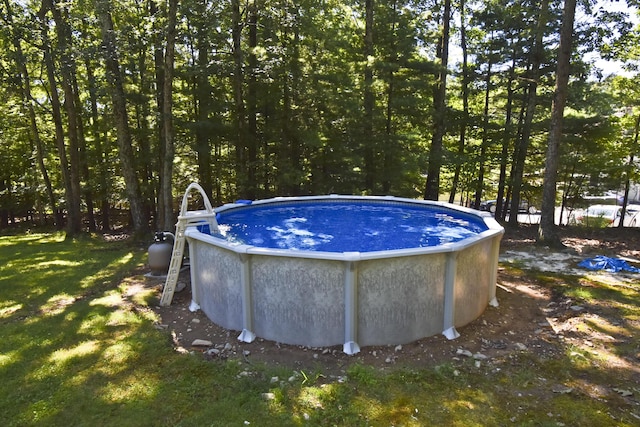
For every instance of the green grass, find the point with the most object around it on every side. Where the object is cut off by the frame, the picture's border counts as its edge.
(75, 351)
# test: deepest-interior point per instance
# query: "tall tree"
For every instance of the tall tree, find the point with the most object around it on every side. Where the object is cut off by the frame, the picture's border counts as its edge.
(165, 195)
(506, 137)
(237, 79)
(251, 141)
(74, 121)
(72, 202)
(100, 148)
(118, 98)
(547, 231)
(28, 105)
(522, 147)
(462, 138)
(485, 136)
(369, 100)
(432, 186)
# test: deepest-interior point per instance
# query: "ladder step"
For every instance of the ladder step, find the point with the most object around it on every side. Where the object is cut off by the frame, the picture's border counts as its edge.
(174, 265)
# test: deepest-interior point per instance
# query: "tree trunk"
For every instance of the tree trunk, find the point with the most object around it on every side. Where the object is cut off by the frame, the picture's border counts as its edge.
(252, 105)
(289, 156)
(465, 102)
(238, 98)
(125, 149)
(202, 97)
(629, 171)
(167, 220)
(100, 149)
(146, 164)
(485, 140)
(547, 231)
(389, 151)
(368, 141)
(66, 71)
(27, 102)
(505, 140)
(84, 161)
(432, 186)
(158, 62)
(521, 149)
(56, 112)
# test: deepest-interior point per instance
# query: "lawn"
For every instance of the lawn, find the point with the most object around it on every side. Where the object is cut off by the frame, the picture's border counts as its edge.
(78, 349)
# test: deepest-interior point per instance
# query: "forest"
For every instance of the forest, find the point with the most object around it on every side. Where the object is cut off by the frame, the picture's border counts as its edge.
(111, 108)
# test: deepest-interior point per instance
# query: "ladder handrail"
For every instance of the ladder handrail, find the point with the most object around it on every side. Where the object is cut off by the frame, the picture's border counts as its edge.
(185, 198)
(209, 214)
(185, 220)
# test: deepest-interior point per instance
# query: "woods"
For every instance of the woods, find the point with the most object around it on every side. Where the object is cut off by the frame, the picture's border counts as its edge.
(112, 107)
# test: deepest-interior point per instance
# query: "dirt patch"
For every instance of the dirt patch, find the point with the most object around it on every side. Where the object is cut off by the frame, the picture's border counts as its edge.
(528, 319)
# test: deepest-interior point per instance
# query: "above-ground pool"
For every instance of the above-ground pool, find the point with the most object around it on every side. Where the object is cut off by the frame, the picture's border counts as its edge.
(357, 271)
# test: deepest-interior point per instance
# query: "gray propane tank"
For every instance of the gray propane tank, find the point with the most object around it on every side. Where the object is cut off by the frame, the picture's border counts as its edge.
(159, 253)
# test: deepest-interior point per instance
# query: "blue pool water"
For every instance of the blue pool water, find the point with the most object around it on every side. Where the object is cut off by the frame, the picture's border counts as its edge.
(346, 226)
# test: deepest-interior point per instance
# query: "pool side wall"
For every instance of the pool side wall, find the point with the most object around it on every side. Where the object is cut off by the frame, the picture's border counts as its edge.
(322, 299)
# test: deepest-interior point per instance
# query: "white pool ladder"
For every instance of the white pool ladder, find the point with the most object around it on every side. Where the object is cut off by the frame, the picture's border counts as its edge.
(186, 219)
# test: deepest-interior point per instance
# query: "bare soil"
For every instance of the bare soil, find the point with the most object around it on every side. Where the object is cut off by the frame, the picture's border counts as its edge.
(529, 318)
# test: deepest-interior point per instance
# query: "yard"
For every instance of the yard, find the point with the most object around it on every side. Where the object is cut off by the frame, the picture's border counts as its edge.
(84, 343)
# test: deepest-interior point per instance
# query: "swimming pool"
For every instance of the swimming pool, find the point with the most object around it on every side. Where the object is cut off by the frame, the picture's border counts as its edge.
(358, 271)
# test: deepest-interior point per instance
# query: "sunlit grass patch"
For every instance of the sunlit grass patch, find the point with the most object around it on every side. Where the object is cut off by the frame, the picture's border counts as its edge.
(67, 355)
(111, 299)
(131, 387)
(9, 357)
(56, 304)
(104, 274)
(10, 307)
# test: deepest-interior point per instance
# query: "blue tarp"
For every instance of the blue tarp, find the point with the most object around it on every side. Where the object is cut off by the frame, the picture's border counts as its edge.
(612, 265)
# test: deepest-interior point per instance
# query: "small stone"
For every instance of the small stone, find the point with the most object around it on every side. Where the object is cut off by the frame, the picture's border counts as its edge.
(398, 348)
(577, 308)
(374, 353)
(623, 393)
(246, 352)
(326, 351)
(268, 396)
(479, 356)
(521, 346)
(478, 363)
(561, 389)
(292, 378)
(306, 416)
(196, 320)
(201, 343)
(388, 360)
(274, 380)
(315, 355)
(228, 347)
(464, 352)
(213, 352)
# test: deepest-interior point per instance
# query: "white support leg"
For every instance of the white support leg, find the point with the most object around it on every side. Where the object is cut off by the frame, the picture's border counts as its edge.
(449, 296)
(351, 309)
